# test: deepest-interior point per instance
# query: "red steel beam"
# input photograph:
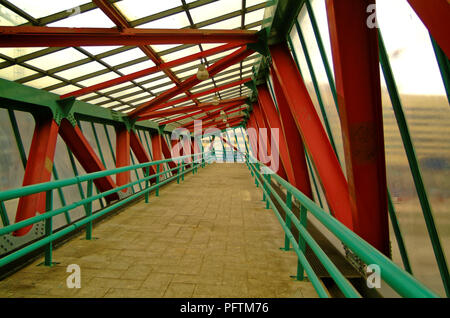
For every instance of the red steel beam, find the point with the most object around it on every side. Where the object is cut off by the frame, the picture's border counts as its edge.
(177, 110)
(265, 147)
(38, 170)
(313, 133)
(140, 153)
(37, 36)
(167, 154)
(294, 143)
(148, 71)
(273, 119)
(86, 156)
(281, 171)
(210, 91)
(123, 156)
(436, 16)
(356, 68)
(213, 115)
(217, 67)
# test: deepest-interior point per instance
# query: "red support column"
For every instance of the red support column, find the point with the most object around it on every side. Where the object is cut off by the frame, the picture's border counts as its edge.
(313, 133)
(140, 153)
(123, 156)
(253, 139)
(259, 120)
(273, 119)
(38, 170)
(86, 156)
(356, 66)
(294, 142)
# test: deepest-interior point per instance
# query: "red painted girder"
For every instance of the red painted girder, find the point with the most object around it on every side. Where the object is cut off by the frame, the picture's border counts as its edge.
(123, 156)
(181, 117)
(177, 110)
(112, 14)
(313, 133)
(166, 152)
(140, 153)
(148, 71)
(435, 15)
(356, 69)
(231, 121)
(281, 171)
(86, 156)
(273, 120)
(294, 141)
(210, 91)
(37, 36)
(38, 170)
(265, 147)
(217, 67)
(213, 115)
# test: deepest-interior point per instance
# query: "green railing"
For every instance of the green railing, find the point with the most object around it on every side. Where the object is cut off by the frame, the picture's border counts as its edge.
(185, 164)
(398, 279)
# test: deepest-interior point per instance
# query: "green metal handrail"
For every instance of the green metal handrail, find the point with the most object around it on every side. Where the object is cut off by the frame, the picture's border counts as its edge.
(48, 187)
(398, 279)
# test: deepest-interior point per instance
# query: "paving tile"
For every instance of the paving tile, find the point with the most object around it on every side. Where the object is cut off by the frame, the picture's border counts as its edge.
(209, 236)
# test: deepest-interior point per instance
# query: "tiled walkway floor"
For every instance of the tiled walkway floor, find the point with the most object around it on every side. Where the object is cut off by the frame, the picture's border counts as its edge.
(209, 236)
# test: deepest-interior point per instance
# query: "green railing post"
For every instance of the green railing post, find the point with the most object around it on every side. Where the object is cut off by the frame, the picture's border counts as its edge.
(302, 243)
(90, 187)
(4, 214)
(48, 261)
(182, 171)
(179, 172)
(287, 244)
(267, 189)
(157, 181)
(147, 182)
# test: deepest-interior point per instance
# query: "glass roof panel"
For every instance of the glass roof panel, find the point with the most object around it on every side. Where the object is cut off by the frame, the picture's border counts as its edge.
(81, 70)
(136, 9)
(9, 18)
(175, 21)
(91, 19)
(43, 8)
(137, 67)
(15, 72)
(43, 82)
(214, 9)
(228, 24)
(99, 79)
(65, 89)
(181, 53)
(123, 57)
(99, 49)
(16, 52)
(56, 59)
(254, 16)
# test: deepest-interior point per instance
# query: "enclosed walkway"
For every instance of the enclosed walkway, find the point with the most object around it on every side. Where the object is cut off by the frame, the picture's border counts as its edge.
(209, 236)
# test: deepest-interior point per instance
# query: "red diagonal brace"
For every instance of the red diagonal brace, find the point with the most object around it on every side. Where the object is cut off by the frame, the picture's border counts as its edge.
(313, 133)
(217, 67)
(38, 170)
(86, 156)
(294, 142)
(356, 68)
(148, 71)
(273, 119)
(436, 16)
(141, 153)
